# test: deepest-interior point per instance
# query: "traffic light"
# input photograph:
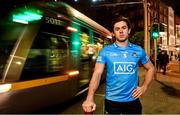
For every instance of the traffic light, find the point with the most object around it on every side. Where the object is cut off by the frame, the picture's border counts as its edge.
(155, 31)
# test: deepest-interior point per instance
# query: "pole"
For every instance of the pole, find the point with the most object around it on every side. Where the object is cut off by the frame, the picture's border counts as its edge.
(145, 26)
(155, 57)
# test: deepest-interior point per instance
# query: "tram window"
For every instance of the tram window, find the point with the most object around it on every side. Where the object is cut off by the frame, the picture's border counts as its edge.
(98, 44)
(9, 33)
(108, 41)
(84, 36)
(48, 55)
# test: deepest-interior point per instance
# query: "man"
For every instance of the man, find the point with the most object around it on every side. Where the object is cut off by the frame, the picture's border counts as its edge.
(121, 60)
(159, 61)
(165, 61)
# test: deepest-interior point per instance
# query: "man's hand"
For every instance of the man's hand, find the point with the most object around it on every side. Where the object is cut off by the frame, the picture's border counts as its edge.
(89, 106)
(139, 91)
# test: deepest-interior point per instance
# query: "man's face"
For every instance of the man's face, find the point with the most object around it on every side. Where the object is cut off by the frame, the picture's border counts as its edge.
(121, 31)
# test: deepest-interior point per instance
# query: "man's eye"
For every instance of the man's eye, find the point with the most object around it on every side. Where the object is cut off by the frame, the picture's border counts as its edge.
(124, 27)
(117, 29)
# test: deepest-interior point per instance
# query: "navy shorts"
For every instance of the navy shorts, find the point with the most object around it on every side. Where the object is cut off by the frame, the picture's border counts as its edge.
(132, 107)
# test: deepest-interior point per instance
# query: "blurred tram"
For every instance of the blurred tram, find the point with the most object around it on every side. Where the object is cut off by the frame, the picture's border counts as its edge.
(47, 54)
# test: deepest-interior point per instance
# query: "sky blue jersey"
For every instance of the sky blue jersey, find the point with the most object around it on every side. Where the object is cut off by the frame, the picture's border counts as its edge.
(122, 70)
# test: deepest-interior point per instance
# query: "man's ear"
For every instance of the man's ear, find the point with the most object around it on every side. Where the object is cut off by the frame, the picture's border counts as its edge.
(129, 31)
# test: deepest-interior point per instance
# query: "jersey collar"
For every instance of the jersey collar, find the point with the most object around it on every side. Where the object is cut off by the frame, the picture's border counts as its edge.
(117, 46)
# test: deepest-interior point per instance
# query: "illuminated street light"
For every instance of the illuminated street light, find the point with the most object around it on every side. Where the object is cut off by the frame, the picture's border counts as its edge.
(97, 0)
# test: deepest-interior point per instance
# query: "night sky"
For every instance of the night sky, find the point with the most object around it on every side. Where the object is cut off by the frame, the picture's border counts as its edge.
(175, 5)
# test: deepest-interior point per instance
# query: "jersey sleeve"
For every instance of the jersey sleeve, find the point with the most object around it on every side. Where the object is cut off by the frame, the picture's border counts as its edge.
(101, 57)
(145, 58)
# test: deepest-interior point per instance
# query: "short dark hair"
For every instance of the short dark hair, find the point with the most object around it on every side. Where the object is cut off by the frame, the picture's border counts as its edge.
(121, 18)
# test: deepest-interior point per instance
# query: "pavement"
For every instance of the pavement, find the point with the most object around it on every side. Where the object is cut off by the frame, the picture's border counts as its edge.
(163, 95)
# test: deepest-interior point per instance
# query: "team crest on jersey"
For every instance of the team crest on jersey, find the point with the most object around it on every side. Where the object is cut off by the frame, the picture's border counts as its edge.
(134, 54)
(124, 67)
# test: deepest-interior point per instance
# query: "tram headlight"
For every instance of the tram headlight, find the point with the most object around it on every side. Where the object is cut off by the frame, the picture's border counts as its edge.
(5, 87)
(73, 73)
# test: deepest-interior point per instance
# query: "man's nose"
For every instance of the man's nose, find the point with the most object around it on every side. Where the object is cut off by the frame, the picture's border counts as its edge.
(120, 30)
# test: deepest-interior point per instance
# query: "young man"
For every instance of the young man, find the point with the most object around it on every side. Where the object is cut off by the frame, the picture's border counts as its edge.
(121, 60)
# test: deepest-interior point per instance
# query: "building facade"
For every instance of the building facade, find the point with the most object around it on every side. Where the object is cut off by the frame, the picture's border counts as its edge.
(164, 15)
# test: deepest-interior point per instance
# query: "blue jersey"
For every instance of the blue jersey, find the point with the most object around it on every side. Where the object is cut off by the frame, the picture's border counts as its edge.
(122, 70)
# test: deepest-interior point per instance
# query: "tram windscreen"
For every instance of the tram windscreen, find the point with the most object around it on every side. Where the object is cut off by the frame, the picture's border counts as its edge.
(48, 54)
(9, 33)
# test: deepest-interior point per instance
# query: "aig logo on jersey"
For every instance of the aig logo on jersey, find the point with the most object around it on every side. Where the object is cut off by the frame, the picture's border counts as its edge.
(124, 67)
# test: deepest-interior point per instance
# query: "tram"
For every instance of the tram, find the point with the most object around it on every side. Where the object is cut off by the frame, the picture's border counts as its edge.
(47, 55)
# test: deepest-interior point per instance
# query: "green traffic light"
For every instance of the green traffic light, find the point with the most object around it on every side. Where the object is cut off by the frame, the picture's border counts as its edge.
(155, 34)
(155, 31)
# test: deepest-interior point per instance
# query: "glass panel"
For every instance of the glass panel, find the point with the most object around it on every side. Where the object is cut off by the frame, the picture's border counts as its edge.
(9, 33)
(49, 53)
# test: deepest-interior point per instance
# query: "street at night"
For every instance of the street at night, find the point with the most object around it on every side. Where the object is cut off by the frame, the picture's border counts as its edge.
(54, 51)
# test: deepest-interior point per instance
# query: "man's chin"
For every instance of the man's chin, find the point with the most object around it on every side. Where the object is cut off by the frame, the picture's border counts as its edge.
(122, 40)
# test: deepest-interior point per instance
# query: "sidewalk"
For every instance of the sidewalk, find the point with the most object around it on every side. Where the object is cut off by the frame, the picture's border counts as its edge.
(172, 77)
(163, 95)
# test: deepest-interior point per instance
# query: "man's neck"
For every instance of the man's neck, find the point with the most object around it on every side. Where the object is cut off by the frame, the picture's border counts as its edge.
(122, 44)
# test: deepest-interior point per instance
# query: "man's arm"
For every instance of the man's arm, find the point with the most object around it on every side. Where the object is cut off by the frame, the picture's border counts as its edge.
(148, 78)
(89, 104)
